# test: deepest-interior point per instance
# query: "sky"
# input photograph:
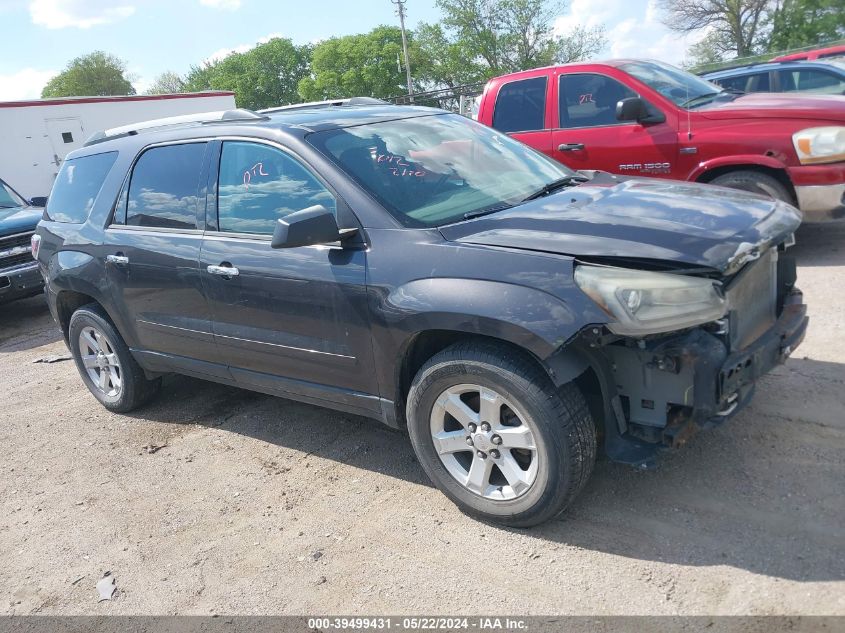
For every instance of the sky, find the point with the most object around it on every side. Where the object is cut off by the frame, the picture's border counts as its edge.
(39, 37)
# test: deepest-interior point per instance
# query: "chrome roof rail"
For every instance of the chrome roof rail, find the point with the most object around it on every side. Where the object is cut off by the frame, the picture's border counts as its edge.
(201, 118)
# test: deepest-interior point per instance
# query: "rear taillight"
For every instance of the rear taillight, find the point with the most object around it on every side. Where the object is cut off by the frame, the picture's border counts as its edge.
(35, 243)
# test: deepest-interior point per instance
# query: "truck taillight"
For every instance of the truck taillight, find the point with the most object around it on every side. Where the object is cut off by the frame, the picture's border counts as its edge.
(35, 243)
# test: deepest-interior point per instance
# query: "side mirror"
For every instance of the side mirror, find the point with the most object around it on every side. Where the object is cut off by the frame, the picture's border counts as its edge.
(636, 109)
(38, 201)
(314, 225)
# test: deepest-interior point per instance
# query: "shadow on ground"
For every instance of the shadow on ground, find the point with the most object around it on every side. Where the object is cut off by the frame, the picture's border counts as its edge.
(761, 493)
(25, 324)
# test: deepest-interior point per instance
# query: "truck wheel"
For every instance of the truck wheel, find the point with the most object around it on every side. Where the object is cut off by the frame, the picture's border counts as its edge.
(496, 437)
(755, 182)
(107, 367)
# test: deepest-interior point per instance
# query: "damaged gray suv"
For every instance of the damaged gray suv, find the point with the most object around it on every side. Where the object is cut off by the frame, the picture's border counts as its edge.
(412, 266)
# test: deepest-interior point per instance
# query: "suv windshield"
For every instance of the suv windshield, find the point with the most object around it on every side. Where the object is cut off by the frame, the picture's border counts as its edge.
(438, 169)
(683, 88)
(8, 197)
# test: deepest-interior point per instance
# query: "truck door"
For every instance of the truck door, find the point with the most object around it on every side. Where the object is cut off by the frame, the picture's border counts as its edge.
(65, 136)
(520, 111)
(588, 135)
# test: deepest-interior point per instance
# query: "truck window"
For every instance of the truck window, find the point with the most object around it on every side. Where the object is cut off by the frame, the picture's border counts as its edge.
(589, 100)
(806, 80)
(261, 184)
(521, 106)
(77, 186)
(163, 187)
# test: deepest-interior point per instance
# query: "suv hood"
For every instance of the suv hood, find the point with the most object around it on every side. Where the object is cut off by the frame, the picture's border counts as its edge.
(19, 219)
(612, 217)
(764, 105)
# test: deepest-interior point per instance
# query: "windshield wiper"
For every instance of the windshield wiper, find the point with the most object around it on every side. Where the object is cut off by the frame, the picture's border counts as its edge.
(555, 184)
(711, 96)
(469, 215)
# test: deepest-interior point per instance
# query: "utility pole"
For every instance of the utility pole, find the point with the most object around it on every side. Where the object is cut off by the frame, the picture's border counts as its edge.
(400, 9)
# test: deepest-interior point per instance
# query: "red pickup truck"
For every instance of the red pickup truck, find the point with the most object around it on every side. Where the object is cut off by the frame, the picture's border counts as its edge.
(646, 118)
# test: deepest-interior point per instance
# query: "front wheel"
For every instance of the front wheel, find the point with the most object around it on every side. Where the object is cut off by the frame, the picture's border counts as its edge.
(496, 437)
(755, 182)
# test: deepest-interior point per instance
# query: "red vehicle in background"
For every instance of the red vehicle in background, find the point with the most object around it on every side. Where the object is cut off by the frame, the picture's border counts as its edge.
(646, 118)
(819, 53)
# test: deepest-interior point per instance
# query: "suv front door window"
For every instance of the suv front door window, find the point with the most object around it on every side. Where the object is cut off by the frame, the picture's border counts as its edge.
(297, 313)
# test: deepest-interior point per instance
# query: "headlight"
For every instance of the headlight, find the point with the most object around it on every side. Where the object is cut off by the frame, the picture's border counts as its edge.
(820, 144)
(648, 303)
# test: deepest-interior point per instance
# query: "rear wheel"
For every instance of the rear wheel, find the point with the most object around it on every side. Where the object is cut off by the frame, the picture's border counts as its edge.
(496, 437)
(755, 182)
(107, 367)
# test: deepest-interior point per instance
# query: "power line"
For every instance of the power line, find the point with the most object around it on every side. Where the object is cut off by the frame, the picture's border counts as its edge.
(400, 10)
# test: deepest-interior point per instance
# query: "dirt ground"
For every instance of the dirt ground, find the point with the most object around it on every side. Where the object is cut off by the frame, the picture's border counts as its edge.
(257, 505)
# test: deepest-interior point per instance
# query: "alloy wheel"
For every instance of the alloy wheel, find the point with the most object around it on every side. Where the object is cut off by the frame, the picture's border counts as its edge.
(484, 442)
(100, 361)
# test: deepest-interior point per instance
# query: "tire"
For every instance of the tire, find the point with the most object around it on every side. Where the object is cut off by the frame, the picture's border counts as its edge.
(755, 182)
(124, 386)
(525, 410)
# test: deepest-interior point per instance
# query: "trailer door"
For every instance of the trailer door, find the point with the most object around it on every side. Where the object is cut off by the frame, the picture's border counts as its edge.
(65, 136)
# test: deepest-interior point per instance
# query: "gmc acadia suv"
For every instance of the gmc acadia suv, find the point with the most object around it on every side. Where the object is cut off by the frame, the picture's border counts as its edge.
(413, 266)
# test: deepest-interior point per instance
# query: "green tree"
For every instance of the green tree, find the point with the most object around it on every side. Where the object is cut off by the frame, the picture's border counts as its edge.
(478, 39)
(263, 77)
(97, 74)
(167, 82)
(364, 65)
(799, 23)
(736, 27)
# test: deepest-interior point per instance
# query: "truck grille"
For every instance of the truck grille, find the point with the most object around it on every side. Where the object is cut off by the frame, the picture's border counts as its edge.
(15, 250)
(752, 297)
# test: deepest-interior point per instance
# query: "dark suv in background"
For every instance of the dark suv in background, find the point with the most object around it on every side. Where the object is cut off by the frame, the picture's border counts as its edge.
(415, 267)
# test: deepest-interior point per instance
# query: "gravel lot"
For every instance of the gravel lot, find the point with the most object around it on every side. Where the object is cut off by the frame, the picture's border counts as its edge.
(257, 505)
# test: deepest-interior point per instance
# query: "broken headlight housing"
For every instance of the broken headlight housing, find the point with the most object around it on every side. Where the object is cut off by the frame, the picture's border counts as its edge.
(644, 302)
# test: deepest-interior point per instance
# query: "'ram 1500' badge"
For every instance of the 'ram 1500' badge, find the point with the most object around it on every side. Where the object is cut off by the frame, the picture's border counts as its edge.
(648, 168)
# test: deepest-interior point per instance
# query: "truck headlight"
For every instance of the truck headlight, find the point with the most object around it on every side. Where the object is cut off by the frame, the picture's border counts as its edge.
(820, 144)
(647, 302)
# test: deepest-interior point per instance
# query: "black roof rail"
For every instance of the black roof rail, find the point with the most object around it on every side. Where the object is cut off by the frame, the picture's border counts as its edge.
(201, 118)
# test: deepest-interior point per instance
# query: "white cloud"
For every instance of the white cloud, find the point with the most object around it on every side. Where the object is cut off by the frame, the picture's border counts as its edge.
(226, 5)
(83, 14)
(24, 84)
(632, 31)
(219, 54)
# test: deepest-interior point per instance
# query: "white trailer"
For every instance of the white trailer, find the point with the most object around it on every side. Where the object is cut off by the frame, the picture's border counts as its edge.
(35, 136)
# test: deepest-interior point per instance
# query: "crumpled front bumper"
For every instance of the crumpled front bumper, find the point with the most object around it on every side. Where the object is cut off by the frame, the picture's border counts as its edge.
(665, 390)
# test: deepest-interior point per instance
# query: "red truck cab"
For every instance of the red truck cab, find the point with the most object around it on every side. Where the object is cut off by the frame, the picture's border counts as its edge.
(646, 118)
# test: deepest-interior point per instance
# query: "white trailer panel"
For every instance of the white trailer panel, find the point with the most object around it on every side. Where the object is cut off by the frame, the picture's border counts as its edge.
(35, 136)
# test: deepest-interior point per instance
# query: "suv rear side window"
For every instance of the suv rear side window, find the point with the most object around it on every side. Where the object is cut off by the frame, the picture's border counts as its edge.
(589, 100)
(260, 184)
(163, 187)
(818, 81)
(77, 186)
(521, 106)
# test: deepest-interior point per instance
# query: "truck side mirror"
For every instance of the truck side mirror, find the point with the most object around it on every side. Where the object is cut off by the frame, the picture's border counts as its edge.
(314, 225)
(636, 109)
(38, 201)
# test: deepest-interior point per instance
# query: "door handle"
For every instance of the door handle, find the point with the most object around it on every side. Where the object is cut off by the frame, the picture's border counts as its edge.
(118, 260)
(569, 147)
(223, 271)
